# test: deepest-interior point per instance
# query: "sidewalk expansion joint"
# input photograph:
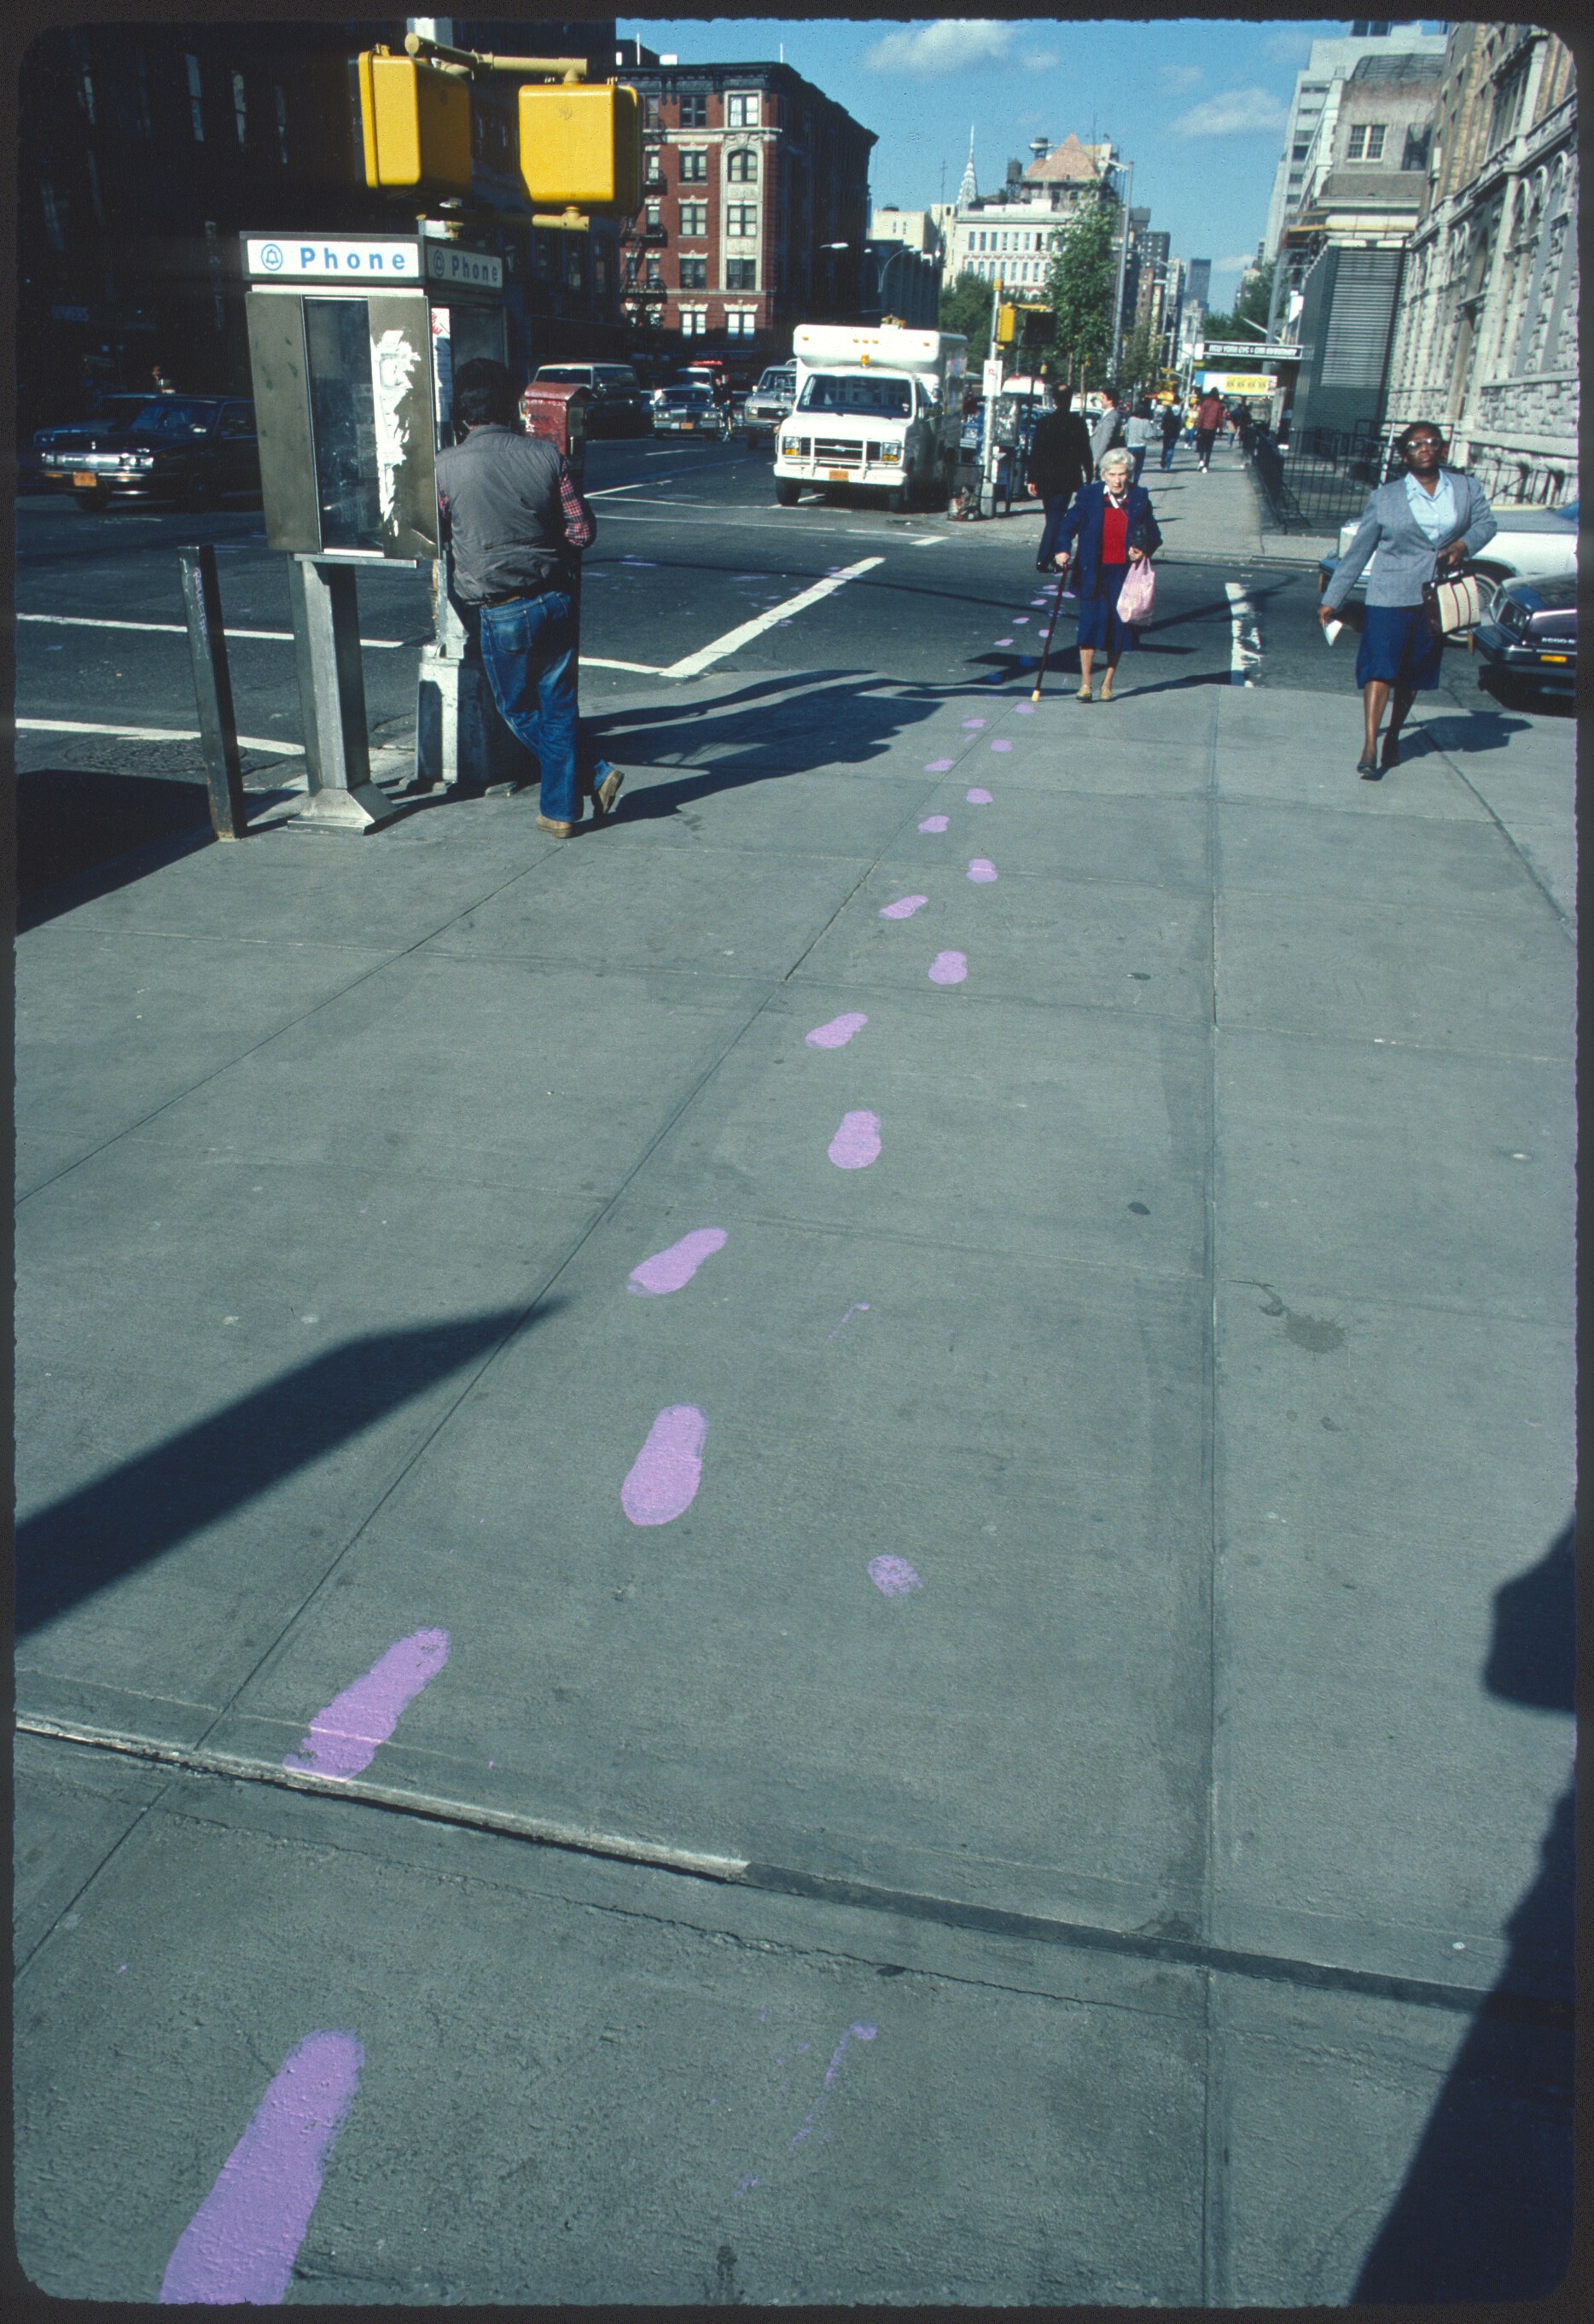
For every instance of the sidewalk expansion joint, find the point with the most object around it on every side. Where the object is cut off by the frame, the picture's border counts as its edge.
(864, 1896)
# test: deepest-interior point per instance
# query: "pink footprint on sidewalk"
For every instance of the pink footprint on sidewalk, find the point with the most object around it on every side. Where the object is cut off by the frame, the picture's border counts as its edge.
(241, 2243)
(344, 1738)
(857, 1143)
(668, 1270)
(838, 1032)
(934, 823)
(903, 908)
(982, 869)
(1024, 709)
(664, 1478)
(893, 1577)
(949, 968)
(938, 767)
(973, 722)
(1003, 641)
(1001, 744)
(976, 797)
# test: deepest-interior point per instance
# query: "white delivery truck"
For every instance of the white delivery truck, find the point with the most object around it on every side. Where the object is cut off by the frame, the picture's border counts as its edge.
(880, 406)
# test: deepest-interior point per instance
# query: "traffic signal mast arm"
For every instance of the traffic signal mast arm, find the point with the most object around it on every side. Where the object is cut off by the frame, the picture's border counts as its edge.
(468, 61)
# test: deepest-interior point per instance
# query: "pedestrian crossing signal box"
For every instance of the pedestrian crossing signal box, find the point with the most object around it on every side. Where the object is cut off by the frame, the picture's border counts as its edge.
(354, 340)
(415, 121)
(581, 147)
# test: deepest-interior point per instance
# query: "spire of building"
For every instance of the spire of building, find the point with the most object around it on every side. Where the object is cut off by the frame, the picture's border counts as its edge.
(968, 191)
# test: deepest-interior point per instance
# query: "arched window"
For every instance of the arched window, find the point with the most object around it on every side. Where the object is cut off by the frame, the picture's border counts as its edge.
(742, 169)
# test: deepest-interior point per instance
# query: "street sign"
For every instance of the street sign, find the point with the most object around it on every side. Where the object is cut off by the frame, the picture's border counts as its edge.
(1253, 351)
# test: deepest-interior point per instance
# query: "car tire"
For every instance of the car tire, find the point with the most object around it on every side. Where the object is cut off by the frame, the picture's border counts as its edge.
(787, 493)
(196, 493)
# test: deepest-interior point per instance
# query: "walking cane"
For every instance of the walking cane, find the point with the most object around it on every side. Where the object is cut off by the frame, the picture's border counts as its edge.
(1051, 625)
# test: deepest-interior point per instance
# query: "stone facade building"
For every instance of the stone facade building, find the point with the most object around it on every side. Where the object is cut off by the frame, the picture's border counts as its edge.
(1486, 343)
(1007, 237)
(755, 216)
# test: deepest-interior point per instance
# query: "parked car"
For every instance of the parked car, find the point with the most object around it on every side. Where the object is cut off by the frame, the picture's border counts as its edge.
(687, 412)
(51, 446)
(189, 449)
(617, 406)
(1531, 544)
(766, 405)
(1528, 640)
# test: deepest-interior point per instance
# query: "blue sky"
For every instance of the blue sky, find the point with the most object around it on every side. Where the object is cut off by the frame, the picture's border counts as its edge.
(1197, 106)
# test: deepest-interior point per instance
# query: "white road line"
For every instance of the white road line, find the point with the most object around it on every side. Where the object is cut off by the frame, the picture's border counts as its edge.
(1245, 652)
(642, 668)
(152, 735)
(692, 664)
(179, 629)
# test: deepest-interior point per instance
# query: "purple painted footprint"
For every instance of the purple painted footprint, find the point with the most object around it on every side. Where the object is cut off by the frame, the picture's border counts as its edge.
(976, 797)
(934, 823)
(241, 2243)
(838, 1032)
(903, 908)
(982, 869)
(893, 1577)
(973, 722)
(346, 1737)
(1001, 744)
(1024, 709)
(664, 1478)
(938, 767)
(949, 968)
(1003, 641)
(668, 1270)
(857, 1143)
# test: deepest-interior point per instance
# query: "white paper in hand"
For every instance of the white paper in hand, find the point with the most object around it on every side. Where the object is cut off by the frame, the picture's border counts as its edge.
(1331, 630)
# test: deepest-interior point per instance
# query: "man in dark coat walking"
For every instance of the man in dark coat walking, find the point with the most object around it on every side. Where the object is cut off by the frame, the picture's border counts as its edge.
(1060, 462)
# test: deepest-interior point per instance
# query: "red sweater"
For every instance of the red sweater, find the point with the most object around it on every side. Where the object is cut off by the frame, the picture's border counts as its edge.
(1115, 534)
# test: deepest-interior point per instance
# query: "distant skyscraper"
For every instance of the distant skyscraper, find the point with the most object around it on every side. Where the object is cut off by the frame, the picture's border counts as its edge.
(967, 190)
(1198, 280)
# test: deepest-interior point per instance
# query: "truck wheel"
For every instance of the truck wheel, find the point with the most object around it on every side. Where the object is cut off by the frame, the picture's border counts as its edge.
(786, 493)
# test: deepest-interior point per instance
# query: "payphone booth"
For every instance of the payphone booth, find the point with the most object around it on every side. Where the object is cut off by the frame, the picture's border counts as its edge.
(353, 345)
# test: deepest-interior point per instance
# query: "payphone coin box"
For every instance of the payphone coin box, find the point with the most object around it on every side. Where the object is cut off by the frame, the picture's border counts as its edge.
(556, 410)
(353, 345)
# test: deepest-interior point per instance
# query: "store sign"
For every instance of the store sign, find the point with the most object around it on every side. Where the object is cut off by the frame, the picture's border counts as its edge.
(446, 262)
(295, 257)
(68, 314)
(1239, 382)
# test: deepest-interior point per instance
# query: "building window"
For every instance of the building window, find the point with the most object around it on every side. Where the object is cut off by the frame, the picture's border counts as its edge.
(694, 112)
(94, 193)
(600, 270)
(740, 322)
(281, 126)
(649, 113)
(655, 176)
(741, 111)
(742, 221)
(693, 273)
(694, 322)
(240, 108)
(1417, 145)
(742, 169)
(141, 89)
(694, 219)
(196, 105)
(54, 222)
(1301, 152)
(654, 278)
(1358, 142)
(694, 168)
(86, 92)
(1375, 141)
(741, 274)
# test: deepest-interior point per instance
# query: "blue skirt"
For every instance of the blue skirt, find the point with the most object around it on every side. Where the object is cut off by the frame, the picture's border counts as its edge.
(1399, 647)
(1098, 624)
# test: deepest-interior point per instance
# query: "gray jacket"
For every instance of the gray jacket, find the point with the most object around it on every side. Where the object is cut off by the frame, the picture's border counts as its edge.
(1406, 557)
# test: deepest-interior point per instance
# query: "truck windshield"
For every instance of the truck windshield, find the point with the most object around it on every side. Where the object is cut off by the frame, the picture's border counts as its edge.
(859, 391)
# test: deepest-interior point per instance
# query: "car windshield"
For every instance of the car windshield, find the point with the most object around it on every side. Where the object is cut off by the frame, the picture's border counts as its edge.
(172, 416)
(687, 397)
(855, 391)
(776, 382)
(566, 374)
(119, 408)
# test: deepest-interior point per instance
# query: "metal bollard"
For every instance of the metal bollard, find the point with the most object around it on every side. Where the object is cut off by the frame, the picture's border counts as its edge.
(213, 689)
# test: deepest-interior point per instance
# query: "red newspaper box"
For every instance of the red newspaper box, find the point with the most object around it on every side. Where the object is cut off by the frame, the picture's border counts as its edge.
(556, 411)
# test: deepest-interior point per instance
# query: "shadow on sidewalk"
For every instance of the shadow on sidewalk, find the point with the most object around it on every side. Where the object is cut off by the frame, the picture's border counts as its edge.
(1486, 2211)
(137, 1512)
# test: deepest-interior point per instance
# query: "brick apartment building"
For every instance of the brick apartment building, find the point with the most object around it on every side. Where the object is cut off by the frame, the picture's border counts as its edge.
(755, 212)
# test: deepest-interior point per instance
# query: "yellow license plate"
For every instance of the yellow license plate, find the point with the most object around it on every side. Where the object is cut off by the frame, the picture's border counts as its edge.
(835, 476)
(84, 476)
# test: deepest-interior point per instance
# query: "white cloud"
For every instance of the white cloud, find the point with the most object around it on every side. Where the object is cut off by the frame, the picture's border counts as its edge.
(1177, 78)
(1039, 60)
(1233, 113)
(949, 45)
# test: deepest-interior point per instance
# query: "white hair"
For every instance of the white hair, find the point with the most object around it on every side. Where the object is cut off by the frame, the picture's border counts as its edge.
(1118, 460)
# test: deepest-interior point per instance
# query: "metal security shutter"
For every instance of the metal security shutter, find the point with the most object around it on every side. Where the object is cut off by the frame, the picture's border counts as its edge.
(1360, 318)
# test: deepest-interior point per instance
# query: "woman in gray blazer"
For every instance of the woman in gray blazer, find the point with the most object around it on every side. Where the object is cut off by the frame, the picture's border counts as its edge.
(1427, 522)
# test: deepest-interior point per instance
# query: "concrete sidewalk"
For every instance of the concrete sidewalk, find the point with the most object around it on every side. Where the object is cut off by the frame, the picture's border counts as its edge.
(1111, 1649)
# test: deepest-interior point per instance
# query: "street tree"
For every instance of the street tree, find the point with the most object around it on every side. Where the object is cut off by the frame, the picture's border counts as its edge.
(965, 307)
(1081, 285)
(1140, 368)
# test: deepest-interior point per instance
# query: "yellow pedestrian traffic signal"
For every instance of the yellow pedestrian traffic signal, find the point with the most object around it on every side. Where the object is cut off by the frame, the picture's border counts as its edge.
(416, 123)
(581, 147)
(1006, 323)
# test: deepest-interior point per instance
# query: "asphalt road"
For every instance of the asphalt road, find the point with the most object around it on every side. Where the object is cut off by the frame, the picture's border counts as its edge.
(691, 547)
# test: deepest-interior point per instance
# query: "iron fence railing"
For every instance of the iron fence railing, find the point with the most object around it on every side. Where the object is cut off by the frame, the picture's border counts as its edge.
(1324, 477)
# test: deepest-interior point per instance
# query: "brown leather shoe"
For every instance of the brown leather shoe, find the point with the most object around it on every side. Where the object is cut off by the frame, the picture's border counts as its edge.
(606, 793)
(559, 830)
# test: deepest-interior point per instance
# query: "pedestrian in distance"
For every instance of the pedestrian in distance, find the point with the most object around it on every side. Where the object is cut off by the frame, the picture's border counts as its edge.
(1139, 434)
(1208, 419)
(1114, 525)
(1060, 462)
(1107, 431)
(1172, 427)
(1423, 524)
(514, 522)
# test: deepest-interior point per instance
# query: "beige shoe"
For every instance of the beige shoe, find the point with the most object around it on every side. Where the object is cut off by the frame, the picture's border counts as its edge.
(559, 830)
(1084, 695)
(606, 793)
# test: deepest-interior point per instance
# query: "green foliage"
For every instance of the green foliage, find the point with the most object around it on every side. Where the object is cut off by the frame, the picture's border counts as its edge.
(1253, 306)
(1141, 366)
(1081, 284)
(965, 307)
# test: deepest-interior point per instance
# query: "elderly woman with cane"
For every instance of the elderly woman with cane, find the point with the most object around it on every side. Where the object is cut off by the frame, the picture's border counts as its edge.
(1114, 526)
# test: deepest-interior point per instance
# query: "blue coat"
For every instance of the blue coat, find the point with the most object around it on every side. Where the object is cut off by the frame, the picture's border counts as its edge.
(1083, 523)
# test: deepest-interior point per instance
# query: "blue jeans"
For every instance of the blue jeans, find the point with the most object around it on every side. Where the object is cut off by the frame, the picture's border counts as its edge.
(1139, 463)
(1168, 452)
(529, 653)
